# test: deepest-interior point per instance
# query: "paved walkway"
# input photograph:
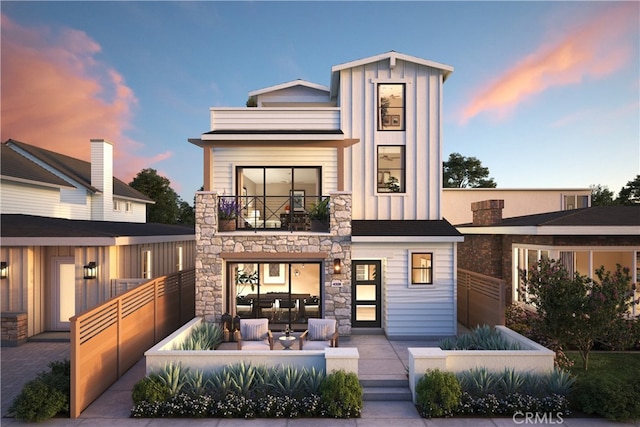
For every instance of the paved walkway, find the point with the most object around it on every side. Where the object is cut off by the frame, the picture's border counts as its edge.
(378, 358)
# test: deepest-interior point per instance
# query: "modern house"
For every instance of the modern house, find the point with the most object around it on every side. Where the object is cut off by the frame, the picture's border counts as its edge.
(517, 201)
(583, 239)
(369, 147)
(73, 236)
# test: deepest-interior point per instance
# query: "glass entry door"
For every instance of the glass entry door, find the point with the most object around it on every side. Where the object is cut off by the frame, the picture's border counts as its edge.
(366, 294)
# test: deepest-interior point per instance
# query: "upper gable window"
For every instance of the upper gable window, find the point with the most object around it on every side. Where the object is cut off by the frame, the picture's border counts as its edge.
(391, 106)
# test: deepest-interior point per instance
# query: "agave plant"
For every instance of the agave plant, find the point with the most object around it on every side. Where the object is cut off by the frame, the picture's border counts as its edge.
(205, 336)
(289, 381)
(478, 381)
(481, 338)
(559, 381)
(243, 378)
(313, 380)
(173, 375)
(511, 381)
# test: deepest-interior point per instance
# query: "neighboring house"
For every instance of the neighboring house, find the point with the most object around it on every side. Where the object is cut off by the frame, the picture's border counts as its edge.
(42, 182)
(517, 201)
(68, 244)
(583, 239)
(371, 143)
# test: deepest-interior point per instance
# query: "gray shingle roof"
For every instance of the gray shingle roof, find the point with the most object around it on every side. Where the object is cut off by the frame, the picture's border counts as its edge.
(16, 225)
(440, 228)
(594, 216)
(76, 169)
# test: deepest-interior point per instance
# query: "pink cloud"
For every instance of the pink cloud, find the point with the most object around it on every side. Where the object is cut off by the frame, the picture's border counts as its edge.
(598, 48)
(57, 95)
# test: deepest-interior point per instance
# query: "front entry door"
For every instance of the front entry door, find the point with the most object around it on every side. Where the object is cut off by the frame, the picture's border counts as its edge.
(365, 294)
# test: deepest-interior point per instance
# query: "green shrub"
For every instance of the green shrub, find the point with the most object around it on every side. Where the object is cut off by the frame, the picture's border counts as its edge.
(150, 389)
(617, 399)
(341, 394)
(38, 401)
(46, 396)
(438, 394)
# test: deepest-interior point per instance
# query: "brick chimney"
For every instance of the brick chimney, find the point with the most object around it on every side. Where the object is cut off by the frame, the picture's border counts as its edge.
(487, 212)
(102, 179)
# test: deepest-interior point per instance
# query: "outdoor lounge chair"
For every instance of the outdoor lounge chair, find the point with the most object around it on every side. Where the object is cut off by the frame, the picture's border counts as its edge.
(321, 334)
(254, 334)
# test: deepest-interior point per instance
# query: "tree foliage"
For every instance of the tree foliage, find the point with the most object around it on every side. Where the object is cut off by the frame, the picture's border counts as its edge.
(630, 194)
(578, 310)
(168, 207)
(462, 172)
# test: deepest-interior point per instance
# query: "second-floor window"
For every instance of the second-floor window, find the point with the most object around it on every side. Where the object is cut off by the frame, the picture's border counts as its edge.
(575, 202)
(391, 176)
(391, 106)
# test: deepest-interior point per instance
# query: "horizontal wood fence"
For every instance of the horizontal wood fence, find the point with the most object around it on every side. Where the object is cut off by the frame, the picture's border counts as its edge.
(109, 339)
(481, 299)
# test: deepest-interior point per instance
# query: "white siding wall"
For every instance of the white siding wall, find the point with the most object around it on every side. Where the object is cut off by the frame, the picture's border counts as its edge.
(225, 161)
(325, 118)
(18, 198)
(421, 137)
(428, 310)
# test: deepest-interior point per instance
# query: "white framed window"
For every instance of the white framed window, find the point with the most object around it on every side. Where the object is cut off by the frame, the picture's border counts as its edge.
(117, 206)
(391, 106)
(574, 201)
(421, 264)
(128, 207)
(391, 169)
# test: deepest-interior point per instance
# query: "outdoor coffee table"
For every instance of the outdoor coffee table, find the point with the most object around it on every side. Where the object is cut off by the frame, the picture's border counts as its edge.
(287, 342)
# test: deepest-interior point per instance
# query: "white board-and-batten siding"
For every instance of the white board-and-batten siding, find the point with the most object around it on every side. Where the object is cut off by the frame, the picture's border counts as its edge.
(421, 138)
(226, 160)
(412, 311)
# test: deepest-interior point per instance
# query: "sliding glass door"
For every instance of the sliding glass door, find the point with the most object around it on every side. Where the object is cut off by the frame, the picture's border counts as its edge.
(287, 294)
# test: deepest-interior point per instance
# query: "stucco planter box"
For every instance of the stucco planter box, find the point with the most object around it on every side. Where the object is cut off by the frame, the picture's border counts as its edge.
(532, 358)
(328, 360)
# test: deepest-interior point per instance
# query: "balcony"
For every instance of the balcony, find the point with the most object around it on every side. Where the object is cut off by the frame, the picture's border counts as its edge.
(282, 119)
(296, 212)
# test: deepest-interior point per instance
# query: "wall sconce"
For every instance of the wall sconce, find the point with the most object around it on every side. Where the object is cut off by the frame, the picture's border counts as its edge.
(4, 270)
(337, 267)
(90, 270)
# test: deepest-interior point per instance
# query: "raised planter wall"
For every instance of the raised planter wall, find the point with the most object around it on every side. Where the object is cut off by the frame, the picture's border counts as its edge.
(533, 358)
(328, 360)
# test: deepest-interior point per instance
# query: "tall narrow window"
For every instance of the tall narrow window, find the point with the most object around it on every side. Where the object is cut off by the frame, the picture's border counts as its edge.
(180, 261)
(391, 169)
(146, 264)
(421, 268)
(391, 106)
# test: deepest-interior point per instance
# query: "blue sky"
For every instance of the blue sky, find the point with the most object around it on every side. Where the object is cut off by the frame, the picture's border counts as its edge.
(545, 94)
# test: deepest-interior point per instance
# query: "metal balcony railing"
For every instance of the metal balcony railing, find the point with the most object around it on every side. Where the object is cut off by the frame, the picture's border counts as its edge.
(296, 212)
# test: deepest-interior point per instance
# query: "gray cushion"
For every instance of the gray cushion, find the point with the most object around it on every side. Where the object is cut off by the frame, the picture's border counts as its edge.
(253, 332)
(319, 332)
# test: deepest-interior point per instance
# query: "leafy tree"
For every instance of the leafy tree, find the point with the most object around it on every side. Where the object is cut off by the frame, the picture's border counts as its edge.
(629, 195)
(168, 207)
(578, 310)
(462, 172)
(602, 196)
(186, 213)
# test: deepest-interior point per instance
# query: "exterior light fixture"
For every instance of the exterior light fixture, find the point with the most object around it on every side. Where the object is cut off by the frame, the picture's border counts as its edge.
(90, 270)
(4, 270)
(337, 267)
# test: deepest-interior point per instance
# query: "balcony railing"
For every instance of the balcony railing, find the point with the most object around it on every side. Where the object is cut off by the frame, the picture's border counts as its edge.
(296, 212)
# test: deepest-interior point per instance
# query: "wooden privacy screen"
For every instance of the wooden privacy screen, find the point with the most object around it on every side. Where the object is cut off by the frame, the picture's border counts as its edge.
(109, 339)
(481, 299)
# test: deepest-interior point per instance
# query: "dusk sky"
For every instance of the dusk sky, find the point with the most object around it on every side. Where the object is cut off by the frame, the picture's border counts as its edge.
(545, 94)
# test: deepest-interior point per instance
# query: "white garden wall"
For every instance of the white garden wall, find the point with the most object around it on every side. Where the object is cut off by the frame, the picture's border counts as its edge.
(329, 360)
(532, 358)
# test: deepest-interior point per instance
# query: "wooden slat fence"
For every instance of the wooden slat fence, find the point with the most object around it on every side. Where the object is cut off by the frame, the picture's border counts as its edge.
(481, 299)
(109, 339)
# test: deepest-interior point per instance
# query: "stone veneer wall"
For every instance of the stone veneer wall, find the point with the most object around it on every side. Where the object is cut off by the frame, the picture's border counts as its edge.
(212, 245)
(14, 329)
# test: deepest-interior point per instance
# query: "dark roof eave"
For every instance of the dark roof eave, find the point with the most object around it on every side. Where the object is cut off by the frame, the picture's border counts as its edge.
(408, 228)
